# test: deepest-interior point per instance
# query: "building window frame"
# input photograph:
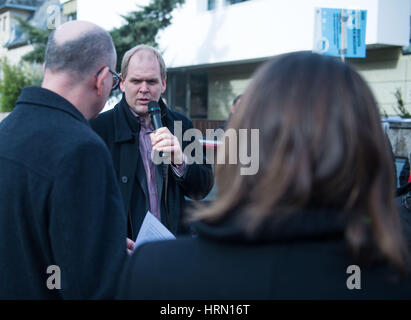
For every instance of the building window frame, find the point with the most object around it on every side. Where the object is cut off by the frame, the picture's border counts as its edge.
(212, 5)
(232, 2)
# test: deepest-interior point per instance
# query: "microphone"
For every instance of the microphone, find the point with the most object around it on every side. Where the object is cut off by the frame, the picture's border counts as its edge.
(155, 114)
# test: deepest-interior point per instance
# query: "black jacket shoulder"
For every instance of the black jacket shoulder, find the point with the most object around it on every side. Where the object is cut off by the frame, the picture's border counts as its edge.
(103, 124)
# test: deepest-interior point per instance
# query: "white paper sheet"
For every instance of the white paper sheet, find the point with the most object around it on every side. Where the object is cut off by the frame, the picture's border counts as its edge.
(152, 230)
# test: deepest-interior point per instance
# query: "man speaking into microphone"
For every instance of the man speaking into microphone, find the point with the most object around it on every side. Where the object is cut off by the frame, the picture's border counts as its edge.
(131, 136)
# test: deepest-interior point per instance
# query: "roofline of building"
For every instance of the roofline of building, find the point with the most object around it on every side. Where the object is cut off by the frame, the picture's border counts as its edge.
(17, 6)
(255, 60)
(217, 65)
(15, 45)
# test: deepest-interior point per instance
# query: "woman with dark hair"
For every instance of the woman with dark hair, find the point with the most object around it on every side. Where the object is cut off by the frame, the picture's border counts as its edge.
(317, 221)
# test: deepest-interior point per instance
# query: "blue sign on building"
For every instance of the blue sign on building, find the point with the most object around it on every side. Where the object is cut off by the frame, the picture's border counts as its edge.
(340, 32)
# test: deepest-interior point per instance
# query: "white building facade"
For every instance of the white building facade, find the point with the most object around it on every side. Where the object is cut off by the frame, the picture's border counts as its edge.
(213, 47)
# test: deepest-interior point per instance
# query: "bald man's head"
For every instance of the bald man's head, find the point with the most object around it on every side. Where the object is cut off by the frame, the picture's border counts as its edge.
(79, 47)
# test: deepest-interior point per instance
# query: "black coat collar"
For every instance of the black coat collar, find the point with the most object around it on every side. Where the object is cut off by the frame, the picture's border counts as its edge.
(307, 224)
(47, 98)
(122, 114)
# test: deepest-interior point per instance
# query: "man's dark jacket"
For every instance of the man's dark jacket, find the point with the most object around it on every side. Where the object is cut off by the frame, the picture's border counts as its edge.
(120, 130)
(60, 204)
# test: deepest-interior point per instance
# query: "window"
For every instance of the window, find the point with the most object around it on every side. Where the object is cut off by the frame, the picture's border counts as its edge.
(407, 49)
(4, 23)
(230, 2)
(176, 91)
(198, 95)
(211, 4)
(72, 16)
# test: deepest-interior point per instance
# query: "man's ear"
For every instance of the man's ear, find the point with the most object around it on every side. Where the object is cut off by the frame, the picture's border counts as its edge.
(122, 88)
(100, 80)
(164, 85)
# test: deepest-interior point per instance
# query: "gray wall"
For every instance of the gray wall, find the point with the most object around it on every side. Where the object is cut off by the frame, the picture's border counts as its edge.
(399, 134)
(386, 70)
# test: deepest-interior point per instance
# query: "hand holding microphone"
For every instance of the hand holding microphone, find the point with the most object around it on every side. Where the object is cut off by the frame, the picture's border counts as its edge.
(163, 140)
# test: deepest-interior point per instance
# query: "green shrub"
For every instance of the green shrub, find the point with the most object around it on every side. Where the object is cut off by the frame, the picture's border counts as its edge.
(400, 108)
(13, 79)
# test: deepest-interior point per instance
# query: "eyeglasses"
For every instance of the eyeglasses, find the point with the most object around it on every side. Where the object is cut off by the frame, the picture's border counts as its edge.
(116, 77)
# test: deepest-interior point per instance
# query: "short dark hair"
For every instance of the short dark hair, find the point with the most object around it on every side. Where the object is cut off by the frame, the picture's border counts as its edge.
(82, 55)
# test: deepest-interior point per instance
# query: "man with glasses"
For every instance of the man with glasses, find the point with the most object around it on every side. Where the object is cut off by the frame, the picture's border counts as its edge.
(62, 221)
(116, 78)
(129, 133)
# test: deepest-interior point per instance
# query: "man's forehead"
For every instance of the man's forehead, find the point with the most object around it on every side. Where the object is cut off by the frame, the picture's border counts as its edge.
(144, 56)
(144, 65)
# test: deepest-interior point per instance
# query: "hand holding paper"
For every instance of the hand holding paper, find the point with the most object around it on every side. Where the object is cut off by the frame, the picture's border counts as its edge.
(152, 230)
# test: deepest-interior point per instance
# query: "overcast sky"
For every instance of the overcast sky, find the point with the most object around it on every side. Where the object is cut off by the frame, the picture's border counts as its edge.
(106, 13)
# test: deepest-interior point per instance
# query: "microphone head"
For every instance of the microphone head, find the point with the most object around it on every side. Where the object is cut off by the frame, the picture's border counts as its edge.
(153, 107)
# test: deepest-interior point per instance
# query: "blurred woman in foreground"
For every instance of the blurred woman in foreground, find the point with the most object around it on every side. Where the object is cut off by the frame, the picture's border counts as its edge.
(318, 219)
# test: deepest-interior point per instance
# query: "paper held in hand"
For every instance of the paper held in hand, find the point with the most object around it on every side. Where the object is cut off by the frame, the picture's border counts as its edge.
(152, 230)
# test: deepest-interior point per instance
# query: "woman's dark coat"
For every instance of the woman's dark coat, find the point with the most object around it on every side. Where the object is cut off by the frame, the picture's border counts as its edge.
(302, 258)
